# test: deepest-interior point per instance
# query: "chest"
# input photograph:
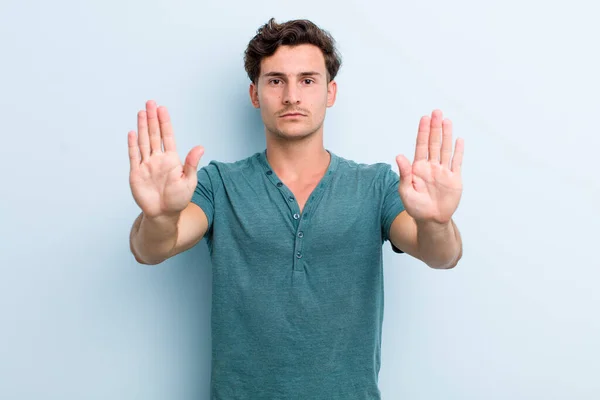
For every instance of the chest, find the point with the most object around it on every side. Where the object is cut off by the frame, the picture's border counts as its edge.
(299, 224)
(302, 191)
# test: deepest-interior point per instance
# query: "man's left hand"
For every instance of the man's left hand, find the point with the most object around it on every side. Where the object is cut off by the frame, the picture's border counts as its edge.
(431, 187)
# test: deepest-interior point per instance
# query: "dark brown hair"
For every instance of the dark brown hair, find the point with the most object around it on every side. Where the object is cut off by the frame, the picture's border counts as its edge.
(272, 35)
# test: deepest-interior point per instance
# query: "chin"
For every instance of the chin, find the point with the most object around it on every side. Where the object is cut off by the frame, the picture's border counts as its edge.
(295, 133)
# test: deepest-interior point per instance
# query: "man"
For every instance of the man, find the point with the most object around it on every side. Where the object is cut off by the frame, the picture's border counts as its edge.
(295, 232)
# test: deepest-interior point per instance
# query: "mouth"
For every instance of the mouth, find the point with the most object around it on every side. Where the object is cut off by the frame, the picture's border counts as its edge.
(292, 115)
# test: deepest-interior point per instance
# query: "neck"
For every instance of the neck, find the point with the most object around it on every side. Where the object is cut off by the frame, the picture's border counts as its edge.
(297, 160)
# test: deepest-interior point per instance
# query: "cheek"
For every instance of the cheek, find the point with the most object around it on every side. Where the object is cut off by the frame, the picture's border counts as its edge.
(320, 103)
(324, 98)
(272, 100)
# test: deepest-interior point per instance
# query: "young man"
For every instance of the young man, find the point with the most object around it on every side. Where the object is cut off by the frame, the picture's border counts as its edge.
(295, 232)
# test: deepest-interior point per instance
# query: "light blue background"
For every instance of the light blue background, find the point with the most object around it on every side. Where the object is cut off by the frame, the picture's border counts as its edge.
(517, 319)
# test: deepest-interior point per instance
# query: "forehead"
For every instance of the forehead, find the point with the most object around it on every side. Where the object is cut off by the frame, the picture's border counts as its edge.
(294, 60)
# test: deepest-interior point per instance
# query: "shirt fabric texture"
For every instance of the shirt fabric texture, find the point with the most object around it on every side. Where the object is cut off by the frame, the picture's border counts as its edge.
(297, 298)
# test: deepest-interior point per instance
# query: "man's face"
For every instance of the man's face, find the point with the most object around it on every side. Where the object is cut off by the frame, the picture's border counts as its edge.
(292, 91)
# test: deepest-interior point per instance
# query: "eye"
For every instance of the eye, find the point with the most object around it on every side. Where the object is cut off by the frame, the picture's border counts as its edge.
(309, 81)
(275, 81)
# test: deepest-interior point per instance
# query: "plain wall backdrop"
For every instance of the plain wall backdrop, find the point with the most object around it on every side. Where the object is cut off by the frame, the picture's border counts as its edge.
(518, 318)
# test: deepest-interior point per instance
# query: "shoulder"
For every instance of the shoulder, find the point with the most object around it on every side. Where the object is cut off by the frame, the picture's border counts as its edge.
(219, 169)
(233, 166)
(219, 174)
(373, 172)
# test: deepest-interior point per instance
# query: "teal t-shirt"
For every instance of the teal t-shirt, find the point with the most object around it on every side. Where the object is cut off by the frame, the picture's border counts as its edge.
(297, 298)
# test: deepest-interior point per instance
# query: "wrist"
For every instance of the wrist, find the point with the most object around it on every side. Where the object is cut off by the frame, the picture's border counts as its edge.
(434, 226)
(161, 220)
(439, 244)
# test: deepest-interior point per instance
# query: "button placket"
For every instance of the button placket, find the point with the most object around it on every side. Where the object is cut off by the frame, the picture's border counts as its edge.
(287, 194)
(299, 219)
(298, 245)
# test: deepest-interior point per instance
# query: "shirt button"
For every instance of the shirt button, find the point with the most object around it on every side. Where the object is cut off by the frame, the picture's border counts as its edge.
(291, 198)
(298, 255)
(296, 216)
(279, 184)
(300, 234)
(269, 172)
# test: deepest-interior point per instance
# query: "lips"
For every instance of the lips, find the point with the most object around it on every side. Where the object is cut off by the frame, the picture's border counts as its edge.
(293, 115)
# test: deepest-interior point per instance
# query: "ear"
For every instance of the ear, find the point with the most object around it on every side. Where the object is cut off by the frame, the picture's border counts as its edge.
(253, 91)
(331, 93)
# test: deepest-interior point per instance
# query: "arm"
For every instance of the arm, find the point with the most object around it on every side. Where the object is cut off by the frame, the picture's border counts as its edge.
(153, 240)
(162, 187)
(437, 245)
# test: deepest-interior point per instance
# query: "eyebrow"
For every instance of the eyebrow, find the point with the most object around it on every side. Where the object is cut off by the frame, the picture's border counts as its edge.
(282, 75)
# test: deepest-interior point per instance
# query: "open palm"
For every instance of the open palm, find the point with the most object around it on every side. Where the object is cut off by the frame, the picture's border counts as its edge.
(160, 184)
(431, 187)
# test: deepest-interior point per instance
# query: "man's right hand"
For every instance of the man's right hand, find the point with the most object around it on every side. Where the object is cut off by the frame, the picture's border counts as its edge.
(160, 184)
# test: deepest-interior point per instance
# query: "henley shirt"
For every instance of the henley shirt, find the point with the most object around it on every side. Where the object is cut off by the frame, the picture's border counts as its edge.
(297, 297)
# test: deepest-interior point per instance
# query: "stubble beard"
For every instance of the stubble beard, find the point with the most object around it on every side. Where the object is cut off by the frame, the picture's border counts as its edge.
(281, 135)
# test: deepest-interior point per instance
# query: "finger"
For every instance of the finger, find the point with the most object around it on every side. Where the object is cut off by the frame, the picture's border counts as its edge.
(134, 151)
(153, 128)
(166, 129)
(422, 139)
(405, 170)
(459, 150)
(446, 142)
(435, 138)
(191, 161)
(143, 141)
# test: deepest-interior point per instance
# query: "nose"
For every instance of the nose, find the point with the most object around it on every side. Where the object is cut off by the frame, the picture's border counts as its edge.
(291, 95)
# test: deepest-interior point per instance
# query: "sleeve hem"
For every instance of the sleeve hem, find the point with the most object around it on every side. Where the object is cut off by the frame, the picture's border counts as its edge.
(205, 206)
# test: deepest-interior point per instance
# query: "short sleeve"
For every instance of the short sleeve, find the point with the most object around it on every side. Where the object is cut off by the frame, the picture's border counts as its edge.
(392, 204)
(204, 194)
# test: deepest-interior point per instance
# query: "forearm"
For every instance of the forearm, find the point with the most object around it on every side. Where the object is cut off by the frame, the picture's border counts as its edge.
(439, 245)
(153, 239)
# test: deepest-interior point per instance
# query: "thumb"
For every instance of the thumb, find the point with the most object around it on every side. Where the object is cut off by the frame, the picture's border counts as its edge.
(405, 169)
(191, 162)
